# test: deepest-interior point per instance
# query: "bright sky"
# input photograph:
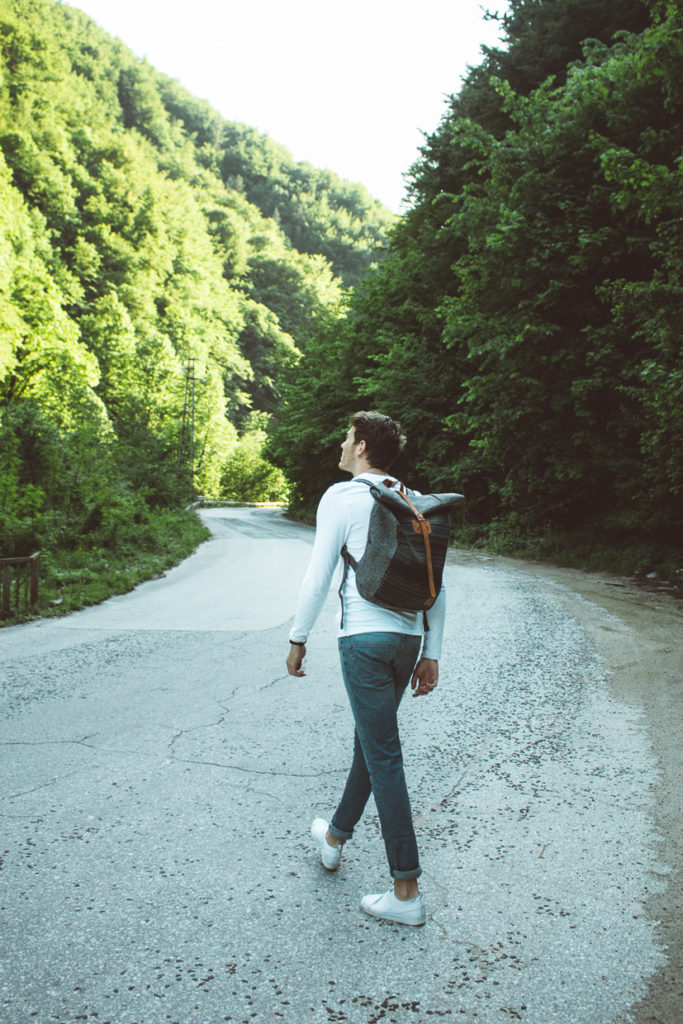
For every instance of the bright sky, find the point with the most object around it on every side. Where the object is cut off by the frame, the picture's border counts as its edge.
(350, 86)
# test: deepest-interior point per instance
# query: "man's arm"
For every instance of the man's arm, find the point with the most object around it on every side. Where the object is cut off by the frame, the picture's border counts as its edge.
(426, 674)
(436, 618)
(330, 537)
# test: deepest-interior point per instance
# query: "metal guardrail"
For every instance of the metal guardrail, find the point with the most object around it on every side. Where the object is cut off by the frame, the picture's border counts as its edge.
(25, 571)
(219, 503)
(207, 503)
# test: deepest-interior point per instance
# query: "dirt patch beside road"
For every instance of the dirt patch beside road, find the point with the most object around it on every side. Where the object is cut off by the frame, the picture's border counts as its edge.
(641, 640)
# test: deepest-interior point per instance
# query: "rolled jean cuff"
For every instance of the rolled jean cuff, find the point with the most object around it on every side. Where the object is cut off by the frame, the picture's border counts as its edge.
(415, 873)
(338, 833)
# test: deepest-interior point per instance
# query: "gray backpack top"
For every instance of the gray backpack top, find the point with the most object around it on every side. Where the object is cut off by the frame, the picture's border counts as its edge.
(402, 566)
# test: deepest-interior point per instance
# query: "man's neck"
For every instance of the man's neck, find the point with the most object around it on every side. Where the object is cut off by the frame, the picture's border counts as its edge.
(371, 469)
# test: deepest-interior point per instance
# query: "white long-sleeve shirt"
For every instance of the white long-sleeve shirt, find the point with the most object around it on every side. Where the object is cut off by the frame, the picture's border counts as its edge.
(343, 518)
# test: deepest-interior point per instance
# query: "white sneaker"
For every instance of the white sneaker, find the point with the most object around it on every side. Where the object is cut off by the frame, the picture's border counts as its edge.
(391, 908)
(329, 855)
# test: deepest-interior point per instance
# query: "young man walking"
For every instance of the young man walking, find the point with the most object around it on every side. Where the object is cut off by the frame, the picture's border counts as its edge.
(381, 651)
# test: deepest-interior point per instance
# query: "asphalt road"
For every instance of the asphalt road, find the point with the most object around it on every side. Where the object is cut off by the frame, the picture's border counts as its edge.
(160, 772)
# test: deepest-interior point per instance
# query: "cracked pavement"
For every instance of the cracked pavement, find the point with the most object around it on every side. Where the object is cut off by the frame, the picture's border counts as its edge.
(160, 771)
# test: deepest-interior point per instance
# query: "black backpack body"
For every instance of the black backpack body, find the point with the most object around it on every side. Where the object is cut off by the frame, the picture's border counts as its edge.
(402, 566)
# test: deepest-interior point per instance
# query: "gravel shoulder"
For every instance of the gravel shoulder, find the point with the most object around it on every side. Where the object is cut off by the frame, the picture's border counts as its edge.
(641, 641)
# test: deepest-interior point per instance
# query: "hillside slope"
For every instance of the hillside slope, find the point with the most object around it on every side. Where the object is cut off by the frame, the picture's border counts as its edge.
(159, 268)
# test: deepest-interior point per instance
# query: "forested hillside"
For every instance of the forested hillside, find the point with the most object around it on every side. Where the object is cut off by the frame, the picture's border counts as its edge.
(526, 325)
(159, 267)
(174, 286)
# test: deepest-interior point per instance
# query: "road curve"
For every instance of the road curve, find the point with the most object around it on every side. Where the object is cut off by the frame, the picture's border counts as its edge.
(160, 771)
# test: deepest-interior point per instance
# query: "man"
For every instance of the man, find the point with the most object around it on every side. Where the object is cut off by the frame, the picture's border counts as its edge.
(379, 651)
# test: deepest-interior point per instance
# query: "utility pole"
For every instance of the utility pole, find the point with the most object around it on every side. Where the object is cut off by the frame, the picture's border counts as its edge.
(186, 440)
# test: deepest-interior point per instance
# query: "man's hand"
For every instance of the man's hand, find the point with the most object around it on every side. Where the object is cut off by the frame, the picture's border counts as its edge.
(295, 659)
(425, 676)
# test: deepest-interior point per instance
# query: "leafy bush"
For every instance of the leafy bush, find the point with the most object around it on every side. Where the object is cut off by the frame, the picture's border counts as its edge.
(247, 474)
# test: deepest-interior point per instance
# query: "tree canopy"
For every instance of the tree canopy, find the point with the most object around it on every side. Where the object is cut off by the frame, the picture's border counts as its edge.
(159, 269)
(183, 305)
(524, 325)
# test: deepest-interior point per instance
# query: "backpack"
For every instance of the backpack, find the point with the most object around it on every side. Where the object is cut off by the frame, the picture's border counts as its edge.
(402, 566)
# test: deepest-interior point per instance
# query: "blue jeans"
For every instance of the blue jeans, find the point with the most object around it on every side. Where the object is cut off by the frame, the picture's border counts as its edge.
(377, 668)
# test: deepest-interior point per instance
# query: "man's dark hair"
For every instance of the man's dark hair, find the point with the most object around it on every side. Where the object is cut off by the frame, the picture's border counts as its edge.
(382, 435)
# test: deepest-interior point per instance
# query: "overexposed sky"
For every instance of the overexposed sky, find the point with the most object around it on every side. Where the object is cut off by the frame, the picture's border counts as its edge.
(350, 86)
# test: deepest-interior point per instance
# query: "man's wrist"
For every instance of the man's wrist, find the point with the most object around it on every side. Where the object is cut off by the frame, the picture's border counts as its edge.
(298, 643)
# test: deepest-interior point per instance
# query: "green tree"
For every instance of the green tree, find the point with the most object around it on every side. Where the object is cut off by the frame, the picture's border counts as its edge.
(523, 323)
(247, 473)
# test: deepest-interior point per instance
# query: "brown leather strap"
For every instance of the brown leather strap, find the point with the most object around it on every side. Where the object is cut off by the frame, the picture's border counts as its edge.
(421, 525)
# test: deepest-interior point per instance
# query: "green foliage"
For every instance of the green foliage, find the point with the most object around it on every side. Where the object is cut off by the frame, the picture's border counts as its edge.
(318, 213)
(146, 545)
(247, 474)
(148, 308)
(173, 319)
(546, 36)
(306, 430)
(571, 216)
(524, 326)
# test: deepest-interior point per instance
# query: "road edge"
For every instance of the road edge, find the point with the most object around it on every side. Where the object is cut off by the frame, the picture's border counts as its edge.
(640, 639)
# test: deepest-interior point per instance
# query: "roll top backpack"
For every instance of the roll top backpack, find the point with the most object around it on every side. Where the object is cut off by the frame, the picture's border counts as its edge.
(402, 566)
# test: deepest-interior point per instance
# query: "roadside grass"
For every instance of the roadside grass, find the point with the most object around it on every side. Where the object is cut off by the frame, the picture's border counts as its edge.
(74, 577)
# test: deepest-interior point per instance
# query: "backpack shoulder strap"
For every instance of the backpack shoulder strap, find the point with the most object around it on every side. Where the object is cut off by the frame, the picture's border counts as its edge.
(387, 481)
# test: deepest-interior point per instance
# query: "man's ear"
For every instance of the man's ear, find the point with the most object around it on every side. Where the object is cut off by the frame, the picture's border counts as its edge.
(361, 447)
